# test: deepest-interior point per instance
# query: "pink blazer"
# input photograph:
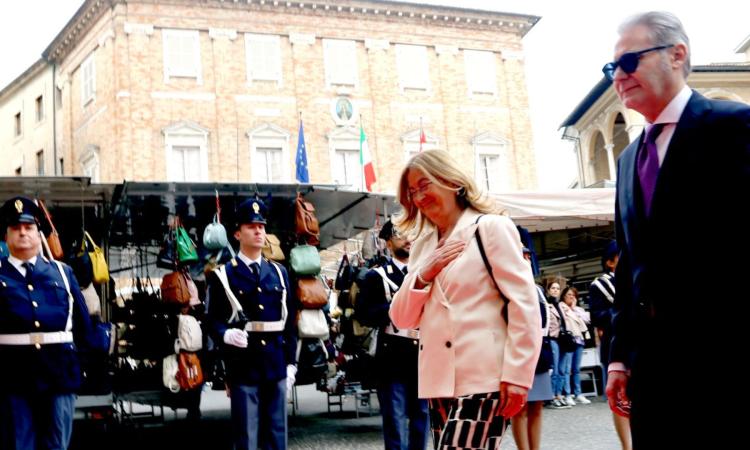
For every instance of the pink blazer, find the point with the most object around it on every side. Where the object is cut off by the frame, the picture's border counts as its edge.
(465, 345)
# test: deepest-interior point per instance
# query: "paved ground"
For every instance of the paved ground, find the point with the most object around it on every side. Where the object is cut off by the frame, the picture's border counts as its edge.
(313, 428)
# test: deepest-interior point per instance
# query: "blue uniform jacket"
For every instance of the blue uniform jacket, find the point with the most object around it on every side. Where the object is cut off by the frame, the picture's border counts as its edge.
(42, 307)
(396, 356)
(268, 353)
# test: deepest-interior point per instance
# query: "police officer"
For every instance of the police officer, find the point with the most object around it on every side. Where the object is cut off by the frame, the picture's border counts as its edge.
(251, 309)
(405, 416)
(43, 322)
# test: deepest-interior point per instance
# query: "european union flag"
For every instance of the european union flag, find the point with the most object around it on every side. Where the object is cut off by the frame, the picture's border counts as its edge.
(302, 175)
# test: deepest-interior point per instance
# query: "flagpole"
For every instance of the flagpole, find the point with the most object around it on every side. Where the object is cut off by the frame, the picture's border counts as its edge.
(361, 156)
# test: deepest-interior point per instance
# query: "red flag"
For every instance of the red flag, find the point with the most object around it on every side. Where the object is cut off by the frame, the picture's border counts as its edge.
(422, 138)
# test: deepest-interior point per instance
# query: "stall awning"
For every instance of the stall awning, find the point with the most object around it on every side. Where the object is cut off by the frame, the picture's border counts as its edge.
(560, 210)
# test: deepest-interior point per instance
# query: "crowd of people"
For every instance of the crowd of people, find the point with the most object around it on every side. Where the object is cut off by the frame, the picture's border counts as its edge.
(467, 340)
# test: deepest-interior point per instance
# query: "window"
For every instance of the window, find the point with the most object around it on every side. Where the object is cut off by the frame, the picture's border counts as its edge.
(347, 170)
(62, 166)
(39, 103)
(480, 72)
(340, 62)
(185, 163)
(343, 145)
(263, 54)
(18, 171)
(58, 98)
(89, 163)
(40, 163)
(492, 166)
(182, 57)
(186, 152)
(88, 80)
(269, 154)
(18, 124)
(413, 69)
(269, 164)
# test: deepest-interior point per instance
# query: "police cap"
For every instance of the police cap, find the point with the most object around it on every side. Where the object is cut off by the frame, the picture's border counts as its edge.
(251, 211)
(20, 210)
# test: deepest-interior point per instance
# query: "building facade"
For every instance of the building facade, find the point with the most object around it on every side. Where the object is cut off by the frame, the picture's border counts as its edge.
(27, 105)
(212, 90)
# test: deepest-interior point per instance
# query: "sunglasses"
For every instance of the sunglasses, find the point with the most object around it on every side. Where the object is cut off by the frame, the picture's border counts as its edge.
(628, 62)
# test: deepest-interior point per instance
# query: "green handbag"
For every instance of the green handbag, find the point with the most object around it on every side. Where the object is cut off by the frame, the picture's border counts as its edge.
(305, 260)
(186, 250)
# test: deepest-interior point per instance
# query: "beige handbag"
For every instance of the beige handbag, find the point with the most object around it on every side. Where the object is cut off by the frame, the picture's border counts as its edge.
(93, 303)
(272, 249)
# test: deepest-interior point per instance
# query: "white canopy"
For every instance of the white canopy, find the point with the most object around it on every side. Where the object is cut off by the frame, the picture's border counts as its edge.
(560, 210)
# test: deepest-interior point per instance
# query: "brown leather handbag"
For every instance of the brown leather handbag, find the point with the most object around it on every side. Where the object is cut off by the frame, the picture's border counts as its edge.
(311, 292)
(189, 373)
(174, 289)
(306, 224)
(53, 240)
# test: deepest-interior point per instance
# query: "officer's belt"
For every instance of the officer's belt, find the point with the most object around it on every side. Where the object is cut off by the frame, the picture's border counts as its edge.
(51, 337)
(405, 332)
(264, 327)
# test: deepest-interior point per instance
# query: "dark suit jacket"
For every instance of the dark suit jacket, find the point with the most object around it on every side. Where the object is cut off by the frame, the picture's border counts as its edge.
(680, 268)
(267, 354)
(396, 357)
(53, 368)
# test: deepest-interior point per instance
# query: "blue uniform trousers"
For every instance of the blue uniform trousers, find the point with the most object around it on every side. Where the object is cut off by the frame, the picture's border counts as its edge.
(406, 418)
(259, 415)
(43, 422)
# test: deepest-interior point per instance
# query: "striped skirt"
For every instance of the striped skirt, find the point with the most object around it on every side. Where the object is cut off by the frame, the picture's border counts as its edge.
(468, 422)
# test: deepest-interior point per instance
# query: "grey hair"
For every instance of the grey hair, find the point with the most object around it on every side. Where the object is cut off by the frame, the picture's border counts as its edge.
(665, 29)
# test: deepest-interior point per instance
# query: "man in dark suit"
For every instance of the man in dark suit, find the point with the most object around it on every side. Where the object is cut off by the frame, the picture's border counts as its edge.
(405, 416)
(677, 185)
(252, 311)
(43, 324)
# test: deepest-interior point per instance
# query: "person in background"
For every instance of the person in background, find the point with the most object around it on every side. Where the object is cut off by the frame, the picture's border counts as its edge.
(260, 341)
(527, 424)
(694, 151)
(478, 347)
(405, 415)
(577, 320)
(44, 322)
(601, 302)
(553, 301)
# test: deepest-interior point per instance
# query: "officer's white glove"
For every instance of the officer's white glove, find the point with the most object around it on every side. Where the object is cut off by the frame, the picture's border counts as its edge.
(291, 374)
(236, 337)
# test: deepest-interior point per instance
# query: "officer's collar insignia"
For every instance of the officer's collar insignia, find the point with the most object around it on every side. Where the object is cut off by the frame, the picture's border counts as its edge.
(256, 207)
(234, 262)
(19, 206)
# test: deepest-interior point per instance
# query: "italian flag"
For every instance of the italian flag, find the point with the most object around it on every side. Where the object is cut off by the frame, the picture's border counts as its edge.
(365, 159)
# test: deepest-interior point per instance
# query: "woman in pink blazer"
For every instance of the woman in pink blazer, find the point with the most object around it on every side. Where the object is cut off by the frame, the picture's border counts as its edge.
(475, 365)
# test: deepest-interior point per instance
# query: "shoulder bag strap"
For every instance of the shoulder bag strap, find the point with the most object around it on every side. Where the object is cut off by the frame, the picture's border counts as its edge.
(69, 324)
(504, 311)
(284, 311)
(221, 274)
(388, 284)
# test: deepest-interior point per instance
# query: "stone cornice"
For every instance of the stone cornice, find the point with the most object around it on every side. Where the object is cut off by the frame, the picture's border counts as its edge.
(415, 14)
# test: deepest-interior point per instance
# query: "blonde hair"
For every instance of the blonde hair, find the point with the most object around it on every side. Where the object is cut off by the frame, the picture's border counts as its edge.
(441, 169)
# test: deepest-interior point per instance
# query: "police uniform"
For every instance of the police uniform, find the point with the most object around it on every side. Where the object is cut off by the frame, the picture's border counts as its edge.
(41, 329)
(405, 416)
(256, 375)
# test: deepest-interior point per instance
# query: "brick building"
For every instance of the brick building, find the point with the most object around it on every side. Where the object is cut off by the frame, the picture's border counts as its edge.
(213, 90)
(27, 115)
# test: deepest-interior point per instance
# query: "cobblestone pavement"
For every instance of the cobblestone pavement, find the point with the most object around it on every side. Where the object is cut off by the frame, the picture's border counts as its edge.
(314, 428)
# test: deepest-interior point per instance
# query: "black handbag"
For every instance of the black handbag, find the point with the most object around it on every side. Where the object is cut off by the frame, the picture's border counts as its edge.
(565, 340)
(80, 262)
(167, 258)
